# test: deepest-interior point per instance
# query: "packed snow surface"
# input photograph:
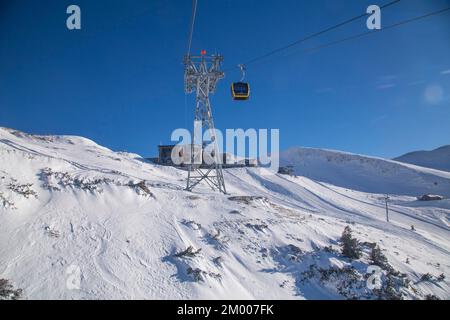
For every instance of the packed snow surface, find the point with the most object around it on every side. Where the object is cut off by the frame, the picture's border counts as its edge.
(75, 213)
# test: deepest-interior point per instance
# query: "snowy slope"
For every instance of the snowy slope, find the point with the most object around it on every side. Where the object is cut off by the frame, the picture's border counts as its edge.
(365, 173)
(437, 159)
(66, 202)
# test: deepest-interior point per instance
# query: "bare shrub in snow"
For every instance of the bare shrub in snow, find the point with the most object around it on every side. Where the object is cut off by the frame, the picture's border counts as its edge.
(214, 275)
(54, 180)
(23, 189)
(350, 246)
(257, 226)
(199, 274)
(190, 252)
(218, 238)
(7, 291)
(141, 188)
(426, 277)
(218, 261)
(245, 199)
(52, 232)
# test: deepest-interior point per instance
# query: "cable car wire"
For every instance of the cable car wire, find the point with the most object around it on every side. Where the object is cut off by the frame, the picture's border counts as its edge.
(241, 90)
(191, 31)
(428, 15)
(316, 34)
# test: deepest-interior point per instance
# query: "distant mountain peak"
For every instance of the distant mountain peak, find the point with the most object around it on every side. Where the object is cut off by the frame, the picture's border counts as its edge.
(436, 159)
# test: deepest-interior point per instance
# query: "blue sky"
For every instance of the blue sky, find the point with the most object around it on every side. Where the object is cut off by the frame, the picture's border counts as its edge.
(119, 80)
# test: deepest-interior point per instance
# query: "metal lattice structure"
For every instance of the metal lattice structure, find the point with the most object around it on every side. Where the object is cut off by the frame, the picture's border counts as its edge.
(201, 74)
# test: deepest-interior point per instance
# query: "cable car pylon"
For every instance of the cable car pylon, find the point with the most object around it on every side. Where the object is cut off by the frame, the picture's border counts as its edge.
(201, 74)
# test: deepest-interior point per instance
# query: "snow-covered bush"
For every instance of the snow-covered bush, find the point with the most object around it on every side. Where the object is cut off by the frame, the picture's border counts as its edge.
(347, 281)
(350, 280)
(394, 286)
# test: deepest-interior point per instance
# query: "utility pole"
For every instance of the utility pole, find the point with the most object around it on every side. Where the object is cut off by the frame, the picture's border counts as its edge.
(387, 208)
(201, 74)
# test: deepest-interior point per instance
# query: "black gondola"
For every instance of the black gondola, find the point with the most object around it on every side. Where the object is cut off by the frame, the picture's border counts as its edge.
(240, 90)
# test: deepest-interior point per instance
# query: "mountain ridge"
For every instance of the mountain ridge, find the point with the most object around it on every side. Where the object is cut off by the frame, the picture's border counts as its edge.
(438, 158)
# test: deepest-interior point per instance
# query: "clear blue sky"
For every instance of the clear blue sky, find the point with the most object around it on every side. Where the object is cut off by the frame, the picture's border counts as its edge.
(119, 80)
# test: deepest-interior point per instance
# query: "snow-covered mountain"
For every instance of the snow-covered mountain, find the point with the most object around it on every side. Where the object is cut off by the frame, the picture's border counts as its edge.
(437, 159)
(363, 173)
(125, 228)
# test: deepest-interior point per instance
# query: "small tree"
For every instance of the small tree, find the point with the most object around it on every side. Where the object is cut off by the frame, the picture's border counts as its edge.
(350, 246)
(378, 258)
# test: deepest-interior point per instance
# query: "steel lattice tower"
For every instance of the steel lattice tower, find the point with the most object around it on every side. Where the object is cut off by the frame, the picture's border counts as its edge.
(201, 74)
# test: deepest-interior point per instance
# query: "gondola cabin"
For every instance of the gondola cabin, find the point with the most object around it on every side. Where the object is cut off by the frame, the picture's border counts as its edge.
(240, 90)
